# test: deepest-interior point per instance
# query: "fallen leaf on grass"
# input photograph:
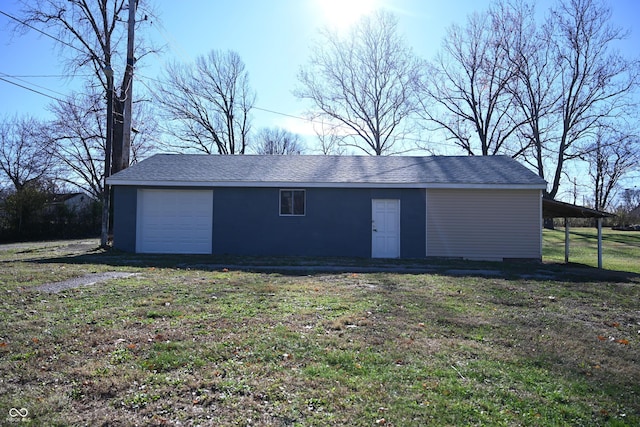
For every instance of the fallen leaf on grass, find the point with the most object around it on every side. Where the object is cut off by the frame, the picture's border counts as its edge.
(3, 344)
(159, 420)
(619, 341)
(131, 346)
(35, 340)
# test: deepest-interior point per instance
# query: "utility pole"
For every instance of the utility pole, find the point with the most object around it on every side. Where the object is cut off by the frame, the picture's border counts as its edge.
(128, 102)
(117, 153)
(104, 235)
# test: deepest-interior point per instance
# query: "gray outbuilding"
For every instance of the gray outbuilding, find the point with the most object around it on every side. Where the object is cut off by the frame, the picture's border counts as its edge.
(487, 208)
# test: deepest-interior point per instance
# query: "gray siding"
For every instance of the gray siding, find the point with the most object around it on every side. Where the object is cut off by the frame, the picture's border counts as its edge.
(337, 222)
(484, 224)
(125, 200)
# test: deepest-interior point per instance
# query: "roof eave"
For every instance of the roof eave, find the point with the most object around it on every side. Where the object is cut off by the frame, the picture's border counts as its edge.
(283, 184)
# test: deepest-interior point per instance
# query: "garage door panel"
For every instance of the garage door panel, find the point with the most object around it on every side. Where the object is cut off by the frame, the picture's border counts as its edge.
(174, 221)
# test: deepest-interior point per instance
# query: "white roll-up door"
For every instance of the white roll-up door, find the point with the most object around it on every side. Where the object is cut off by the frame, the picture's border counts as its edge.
(174, 221)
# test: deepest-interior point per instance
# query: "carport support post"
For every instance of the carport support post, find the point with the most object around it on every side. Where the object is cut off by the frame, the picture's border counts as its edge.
(599, 242)
(566, 240)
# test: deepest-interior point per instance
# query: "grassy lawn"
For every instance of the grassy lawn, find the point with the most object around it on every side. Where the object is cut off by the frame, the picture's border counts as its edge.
(621, 249)
(183, 344)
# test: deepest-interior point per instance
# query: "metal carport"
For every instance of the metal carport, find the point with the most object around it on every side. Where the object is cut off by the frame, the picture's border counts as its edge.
(556, 209)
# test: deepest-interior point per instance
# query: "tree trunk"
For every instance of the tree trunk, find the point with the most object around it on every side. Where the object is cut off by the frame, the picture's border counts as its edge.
(548, 224)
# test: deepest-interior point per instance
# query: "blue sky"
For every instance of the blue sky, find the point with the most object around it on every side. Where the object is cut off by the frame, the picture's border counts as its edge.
(272, 37)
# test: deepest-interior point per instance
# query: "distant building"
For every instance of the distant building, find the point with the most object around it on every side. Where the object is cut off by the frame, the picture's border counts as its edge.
(72, 201)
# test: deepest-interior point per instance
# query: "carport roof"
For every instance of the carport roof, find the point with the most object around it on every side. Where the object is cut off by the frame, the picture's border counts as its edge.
(557, 209)
(329, 171)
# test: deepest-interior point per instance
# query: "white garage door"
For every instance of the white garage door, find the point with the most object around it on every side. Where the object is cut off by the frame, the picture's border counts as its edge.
(174, 221)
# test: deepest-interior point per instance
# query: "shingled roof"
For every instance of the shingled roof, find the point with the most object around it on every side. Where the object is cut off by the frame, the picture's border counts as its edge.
(329, 171)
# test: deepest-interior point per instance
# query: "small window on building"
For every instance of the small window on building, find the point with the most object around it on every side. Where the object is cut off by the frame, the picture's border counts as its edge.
(292, 202)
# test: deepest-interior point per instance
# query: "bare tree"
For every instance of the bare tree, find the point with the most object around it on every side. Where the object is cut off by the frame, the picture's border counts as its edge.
(208, 103)
(92, 34)
(631, 199)
(466, 93)
(613, 154)
(506, 84)
(570, 82)
(365, 82)
(330, 140)
(145, 131)
(24, 159)
(77, 137)
(534, 90)
(596, 83)
(278, 141)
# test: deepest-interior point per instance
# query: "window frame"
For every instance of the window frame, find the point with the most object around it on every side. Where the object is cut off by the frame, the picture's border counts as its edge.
(293, 191)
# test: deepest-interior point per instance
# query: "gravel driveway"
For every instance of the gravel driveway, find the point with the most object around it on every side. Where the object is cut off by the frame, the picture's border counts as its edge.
(87, 280)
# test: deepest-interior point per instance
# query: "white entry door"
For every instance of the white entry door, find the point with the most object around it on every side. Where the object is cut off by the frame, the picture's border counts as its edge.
(385, 228)
(174, 221)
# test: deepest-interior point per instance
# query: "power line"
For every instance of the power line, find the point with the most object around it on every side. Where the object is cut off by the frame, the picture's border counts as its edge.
(40, 31)
(32, 90)
(287, 115)
(305, 119)
(57, 76)
(17, 77)
(254, 107)
(312, 121)
(173, 43)
(32, 84)
(64, 101)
